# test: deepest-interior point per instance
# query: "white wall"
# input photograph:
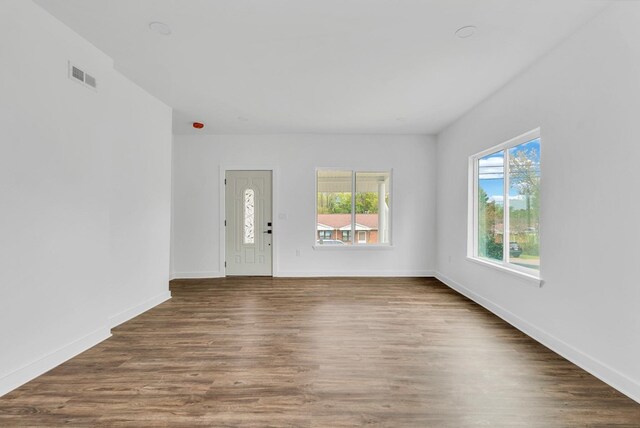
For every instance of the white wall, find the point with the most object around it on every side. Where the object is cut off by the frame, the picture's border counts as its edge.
(140, 201)
(84, 186)
(585, 96)
(196, 187)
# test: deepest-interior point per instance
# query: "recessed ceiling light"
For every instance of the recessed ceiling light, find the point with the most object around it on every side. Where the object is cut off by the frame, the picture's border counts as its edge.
(160, 28)
(466, 31)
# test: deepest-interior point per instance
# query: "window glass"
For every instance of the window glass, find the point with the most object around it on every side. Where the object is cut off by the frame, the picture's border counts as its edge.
(249, 216)
(334, 204)
(524, 204)
(505, 228)
(490, 205)
(372, 207)
(354, 206)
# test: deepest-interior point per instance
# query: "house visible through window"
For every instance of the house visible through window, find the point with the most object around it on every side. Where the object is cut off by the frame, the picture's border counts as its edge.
(506, 204)
(355, 205)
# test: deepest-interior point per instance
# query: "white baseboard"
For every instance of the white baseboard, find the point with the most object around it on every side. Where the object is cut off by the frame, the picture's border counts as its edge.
(308, 274)
(42, 365)
(126, 315)
(602, 371)
(370, 273)
(196, 275)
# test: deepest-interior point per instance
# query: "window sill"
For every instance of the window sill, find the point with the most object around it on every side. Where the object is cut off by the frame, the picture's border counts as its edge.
(529, 278)
(352, 247)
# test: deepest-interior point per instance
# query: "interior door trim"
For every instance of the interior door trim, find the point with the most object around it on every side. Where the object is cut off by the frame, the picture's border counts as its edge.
(223, 168)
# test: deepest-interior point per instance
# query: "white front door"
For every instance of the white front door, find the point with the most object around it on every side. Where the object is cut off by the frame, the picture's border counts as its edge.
(248, 223)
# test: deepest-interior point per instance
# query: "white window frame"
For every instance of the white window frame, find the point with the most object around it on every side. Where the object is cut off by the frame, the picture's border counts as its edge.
(357, 247)
(472, 231)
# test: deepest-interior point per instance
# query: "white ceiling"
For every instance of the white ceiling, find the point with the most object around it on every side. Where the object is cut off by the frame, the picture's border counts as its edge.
(322, 66)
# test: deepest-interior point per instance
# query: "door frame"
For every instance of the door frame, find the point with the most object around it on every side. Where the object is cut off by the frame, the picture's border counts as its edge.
(274, 209)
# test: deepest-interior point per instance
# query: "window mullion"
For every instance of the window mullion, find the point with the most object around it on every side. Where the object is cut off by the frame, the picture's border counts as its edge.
(476, 205)
(506, 232)
(353, 207)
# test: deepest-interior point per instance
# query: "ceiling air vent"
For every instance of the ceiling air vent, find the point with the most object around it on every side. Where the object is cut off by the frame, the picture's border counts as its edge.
(78, 75)
(90, 80)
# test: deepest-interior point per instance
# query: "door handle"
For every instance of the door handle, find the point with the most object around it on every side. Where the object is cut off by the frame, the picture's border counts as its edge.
(267, 231)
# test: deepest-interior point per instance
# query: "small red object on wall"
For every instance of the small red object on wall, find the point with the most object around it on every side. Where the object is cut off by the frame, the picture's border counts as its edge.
(198, 125)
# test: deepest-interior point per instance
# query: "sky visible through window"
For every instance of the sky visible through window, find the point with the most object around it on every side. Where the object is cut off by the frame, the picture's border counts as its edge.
(520, 244)
(491, 174)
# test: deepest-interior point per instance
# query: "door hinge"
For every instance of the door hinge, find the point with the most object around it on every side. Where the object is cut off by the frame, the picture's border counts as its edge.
(225, 264)
(225, 181)
(225, 222)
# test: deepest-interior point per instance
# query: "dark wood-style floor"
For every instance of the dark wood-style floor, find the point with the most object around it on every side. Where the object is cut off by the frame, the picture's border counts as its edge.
(330, 352)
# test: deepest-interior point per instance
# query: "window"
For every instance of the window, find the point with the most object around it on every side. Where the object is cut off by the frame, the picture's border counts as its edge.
(354, 201)
(324, 234)
(505, 202)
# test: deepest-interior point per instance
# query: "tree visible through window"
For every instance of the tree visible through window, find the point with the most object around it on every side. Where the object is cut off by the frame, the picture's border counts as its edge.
(366, 213)
(507, 203)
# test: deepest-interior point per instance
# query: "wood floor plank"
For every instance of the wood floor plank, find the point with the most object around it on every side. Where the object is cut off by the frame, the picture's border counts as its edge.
(317, 352)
